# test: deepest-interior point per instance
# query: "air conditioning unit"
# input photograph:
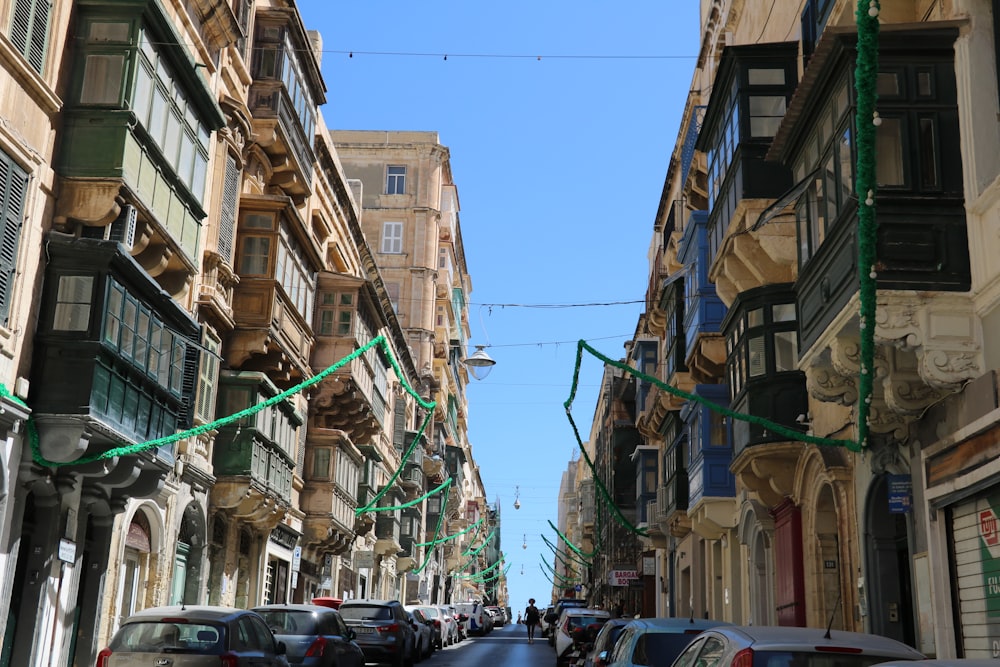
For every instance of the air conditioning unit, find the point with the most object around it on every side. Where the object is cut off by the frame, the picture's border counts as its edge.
(123, 228)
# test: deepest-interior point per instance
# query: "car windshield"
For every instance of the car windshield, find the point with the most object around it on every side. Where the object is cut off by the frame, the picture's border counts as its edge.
(365, 612)
(659, 649)
(284, 622)
(431, 612)
(811, 659)
(169, 637)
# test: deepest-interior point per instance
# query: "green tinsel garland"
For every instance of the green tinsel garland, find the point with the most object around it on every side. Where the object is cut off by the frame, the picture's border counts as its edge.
(450, 537)
(865, 85)
(437, 530)
(489, 538)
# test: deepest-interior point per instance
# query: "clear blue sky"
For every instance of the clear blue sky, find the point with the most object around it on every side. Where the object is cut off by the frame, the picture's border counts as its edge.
(559, 165)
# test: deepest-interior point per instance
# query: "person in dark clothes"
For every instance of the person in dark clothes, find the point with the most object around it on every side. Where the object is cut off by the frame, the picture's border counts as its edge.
(532, 617)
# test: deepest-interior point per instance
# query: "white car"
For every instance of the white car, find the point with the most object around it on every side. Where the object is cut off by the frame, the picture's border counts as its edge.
(571, 619)
(453, 634)
(767, 646)
(475, 623)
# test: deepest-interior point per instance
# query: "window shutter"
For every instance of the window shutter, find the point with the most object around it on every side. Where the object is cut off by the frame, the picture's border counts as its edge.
(399, 425)
(192, 357)
(227, 216)
(13, 188)
(29, 30)
(208, 378)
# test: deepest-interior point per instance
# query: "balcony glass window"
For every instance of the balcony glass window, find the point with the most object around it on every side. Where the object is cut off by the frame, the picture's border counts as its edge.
(347, 474)
(827, 163)
(137, 335)
(73, 302)
(321, 463)
(336, 314)
(277, 58)
(162, 106)
(763, 342)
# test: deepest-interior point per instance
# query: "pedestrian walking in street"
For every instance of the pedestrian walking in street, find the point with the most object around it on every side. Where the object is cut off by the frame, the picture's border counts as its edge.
(531, 619)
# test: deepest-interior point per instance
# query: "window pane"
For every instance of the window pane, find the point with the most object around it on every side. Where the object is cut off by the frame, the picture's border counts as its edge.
(783, 312)
(258, 221)
(766, 77)
(924, 88)
(763, 126)
(887, 84)
(786, 351)
(108, 32)
(255, 255)
(889, 148)
(102, 79)
(767, 105)
(73, 299)
(755, 317)
(758, 360)
(846, 178)
(928, 153)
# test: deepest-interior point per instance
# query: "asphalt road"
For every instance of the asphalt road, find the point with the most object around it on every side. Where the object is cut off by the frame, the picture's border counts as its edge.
(504, 647)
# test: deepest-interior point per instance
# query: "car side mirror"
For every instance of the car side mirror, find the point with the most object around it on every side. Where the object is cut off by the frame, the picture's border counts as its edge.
(280, 649)
(351, 635)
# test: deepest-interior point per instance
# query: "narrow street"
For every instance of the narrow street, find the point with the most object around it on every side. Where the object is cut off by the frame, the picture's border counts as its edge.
(504, 647)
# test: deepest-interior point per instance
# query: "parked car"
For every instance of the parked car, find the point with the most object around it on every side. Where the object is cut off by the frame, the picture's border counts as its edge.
(546, 624)
(451, 634)
(186, 636)
(567, 639)
(552, 617)
(314, 635)
(655, 642)
(432, 619)
(943, 662)
(383, 630)
(499, 616)
(606, 638)
(424, 644)
(766, 646)
(475, 621)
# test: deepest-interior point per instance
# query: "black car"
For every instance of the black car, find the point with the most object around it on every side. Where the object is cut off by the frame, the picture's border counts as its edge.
(314, 636)
(383, 630)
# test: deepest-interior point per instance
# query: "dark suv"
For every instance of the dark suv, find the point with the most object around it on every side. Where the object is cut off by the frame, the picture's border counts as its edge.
(383, 630)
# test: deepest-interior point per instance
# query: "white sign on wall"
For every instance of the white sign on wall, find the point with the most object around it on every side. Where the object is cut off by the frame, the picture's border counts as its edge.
(622, 577)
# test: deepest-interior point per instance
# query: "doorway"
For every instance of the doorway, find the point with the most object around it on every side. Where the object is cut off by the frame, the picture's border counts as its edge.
(890, 590)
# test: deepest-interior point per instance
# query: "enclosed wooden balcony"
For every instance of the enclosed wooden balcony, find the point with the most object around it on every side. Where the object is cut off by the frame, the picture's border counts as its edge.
(254, 457)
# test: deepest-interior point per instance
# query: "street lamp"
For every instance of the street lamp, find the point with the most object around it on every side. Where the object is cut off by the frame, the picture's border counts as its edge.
(479, 363)
(517, 497)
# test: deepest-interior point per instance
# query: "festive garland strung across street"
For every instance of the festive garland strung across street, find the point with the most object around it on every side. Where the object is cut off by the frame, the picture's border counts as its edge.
(866, 122)
(573, 546)
(490, 568)
(437, 530)
(130, 449)
(561, 584)
(566, 563)
(491, 579)
(568, 554)
(563, 577)
(450, 537)
(472, 552)
(605, 496)
(482, 574)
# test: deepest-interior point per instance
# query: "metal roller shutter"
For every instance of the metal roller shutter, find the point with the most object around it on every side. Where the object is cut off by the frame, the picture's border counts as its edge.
(976, 535)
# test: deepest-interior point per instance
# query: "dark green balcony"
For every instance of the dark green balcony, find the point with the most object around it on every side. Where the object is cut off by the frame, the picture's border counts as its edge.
(115, 355)
(259, 449)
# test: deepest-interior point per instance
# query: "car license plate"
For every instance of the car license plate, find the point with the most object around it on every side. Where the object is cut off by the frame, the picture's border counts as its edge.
(362, 630)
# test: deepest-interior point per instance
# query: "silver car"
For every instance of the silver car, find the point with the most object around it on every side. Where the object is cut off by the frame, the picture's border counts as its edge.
(193, 637)
(766, 646)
